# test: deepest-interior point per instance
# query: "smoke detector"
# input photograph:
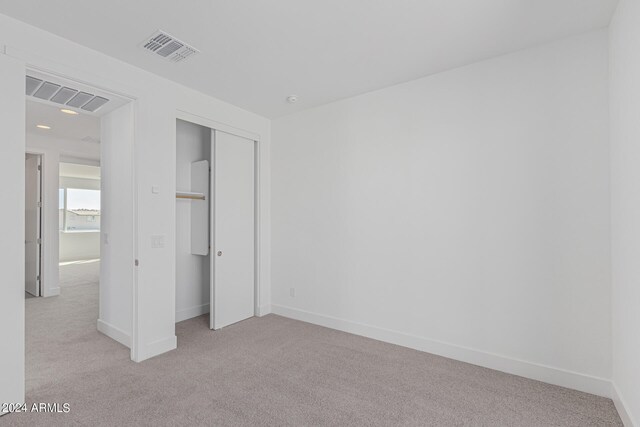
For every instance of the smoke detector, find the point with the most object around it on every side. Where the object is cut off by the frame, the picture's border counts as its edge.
(292, 99)
(168, 47)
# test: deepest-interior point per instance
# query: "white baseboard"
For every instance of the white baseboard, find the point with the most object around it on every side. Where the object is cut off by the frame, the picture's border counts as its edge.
(157, 347)
(114, 333)
(191, 312)
(622, 407)
(263, 310)
(535, 371)
(53, 292)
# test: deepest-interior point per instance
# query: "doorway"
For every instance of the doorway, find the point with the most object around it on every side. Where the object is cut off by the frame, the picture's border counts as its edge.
(116, 117)
(76, 138)
(79, 215)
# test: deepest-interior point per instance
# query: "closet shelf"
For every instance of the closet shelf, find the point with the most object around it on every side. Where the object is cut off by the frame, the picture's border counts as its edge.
(189, 195)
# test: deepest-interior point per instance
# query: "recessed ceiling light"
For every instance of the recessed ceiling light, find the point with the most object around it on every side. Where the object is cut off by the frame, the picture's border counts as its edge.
(43, 127)
(73, 113)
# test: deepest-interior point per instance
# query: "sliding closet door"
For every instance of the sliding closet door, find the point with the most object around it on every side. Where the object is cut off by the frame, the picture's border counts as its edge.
(232, 177)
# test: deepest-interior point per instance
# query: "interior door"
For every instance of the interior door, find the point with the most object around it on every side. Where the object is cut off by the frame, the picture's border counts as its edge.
(32, 225)
(232, 259)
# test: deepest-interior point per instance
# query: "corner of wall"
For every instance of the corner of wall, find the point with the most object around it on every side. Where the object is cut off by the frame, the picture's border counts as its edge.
(622, 407)
(51, 292)
(156, 348)
(114, 333)
(263, 310)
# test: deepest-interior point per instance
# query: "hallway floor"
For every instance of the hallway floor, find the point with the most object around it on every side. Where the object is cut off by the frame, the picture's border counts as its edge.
(82, 272)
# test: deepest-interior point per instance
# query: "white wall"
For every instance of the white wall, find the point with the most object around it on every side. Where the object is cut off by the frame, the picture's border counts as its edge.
(80, 183)
(157, 103)
(117, 225)
(625, 182)
(12, 174)
(79, 245)
(192, 271)
(466, 214)
(67, 149)
(54, 150)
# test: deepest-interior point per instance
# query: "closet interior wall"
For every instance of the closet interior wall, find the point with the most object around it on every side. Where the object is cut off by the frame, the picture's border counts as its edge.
(193, 144)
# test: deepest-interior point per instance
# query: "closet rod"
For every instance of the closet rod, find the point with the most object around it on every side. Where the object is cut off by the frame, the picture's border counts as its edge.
(191, 196)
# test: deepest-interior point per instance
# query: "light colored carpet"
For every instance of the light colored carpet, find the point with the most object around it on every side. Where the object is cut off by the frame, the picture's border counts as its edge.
(84, 272)
(271, 371)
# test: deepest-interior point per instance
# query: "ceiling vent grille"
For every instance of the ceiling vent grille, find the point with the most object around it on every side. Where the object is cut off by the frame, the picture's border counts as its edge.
(168, 47)
(91, 139)
(67, 96)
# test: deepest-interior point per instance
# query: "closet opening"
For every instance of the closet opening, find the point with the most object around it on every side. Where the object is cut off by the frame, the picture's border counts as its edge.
(215, 226)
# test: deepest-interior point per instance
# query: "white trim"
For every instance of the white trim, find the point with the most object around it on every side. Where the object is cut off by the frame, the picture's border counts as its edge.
(263, 310)
(114, 333)
(51, 292)
(535, 371)
(622, 407)
(191, 312)
(135, 301)
(257, 229)
(216, 125)
(79, 160)
(155, 348)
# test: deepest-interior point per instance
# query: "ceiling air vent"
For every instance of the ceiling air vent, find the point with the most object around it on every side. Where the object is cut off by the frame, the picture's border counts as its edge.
(168, 47)
(62, 95)
(91, 139)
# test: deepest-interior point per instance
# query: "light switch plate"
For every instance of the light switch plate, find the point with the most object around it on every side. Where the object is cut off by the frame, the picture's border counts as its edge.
(157, 242)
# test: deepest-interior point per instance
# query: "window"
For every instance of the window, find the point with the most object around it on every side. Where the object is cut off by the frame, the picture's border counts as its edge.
(79, 209)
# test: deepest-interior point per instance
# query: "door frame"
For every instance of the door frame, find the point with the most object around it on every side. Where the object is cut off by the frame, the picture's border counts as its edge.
(40, 263)
(43, 66)
(257, 205)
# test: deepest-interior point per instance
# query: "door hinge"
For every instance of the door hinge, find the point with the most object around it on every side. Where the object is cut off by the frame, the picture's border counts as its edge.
(39, 167)
(39, 204)
(38, 278)
(39, 241)
(137, 263)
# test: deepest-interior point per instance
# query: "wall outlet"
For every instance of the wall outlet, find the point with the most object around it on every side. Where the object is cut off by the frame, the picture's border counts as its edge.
(292, 292)
(157, 242)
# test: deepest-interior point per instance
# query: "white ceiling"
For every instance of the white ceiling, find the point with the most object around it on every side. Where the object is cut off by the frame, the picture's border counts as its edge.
(62, 125)
(256, 53)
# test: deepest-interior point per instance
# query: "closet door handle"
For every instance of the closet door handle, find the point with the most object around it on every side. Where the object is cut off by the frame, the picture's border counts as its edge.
(219, 253)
